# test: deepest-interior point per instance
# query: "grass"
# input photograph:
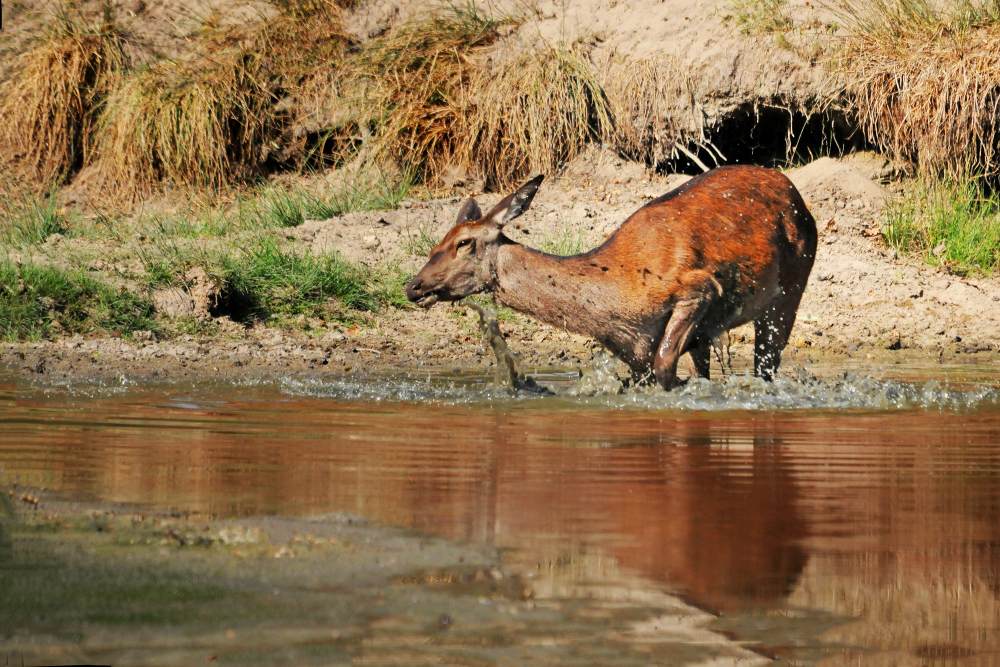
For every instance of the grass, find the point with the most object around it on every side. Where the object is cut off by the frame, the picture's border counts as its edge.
(190, 124)
(534, 114)
(427, 99)
(956, 224)
(275, 206)
(268, 281)
(48, 109)
(412, 87)
(421, 241)
(563, 243)
(27, 218)
(924, 81)
(643, 97)
(39, 301)
(761, 17)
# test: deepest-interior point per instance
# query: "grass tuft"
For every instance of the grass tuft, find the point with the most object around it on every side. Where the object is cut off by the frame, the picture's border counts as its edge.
(48, 108)
(955, 224)
(564, 243)
(535, 113)
(761, 17)
(39, 301)
(190, 124)
(924, 80)
(268, 280)
(27, 218)
(411, 88)
(650, 103)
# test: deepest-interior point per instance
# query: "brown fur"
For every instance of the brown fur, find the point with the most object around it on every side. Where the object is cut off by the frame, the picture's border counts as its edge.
(731, 246)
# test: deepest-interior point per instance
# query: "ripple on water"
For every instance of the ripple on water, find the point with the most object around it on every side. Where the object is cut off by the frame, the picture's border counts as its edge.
(798, 389)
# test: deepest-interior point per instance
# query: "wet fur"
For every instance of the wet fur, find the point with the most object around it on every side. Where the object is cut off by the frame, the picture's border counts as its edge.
(731, 246)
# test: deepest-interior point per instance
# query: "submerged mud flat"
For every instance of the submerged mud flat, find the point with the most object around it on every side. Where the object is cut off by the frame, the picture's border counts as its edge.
(523, 528)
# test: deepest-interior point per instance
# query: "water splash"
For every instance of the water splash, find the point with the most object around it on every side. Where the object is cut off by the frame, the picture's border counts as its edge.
(509, 373)
(600, 379)
(795, 389)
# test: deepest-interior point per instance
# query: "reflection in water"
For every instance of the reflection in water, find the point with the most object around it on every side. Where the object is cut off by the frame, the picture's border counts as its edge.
(890, 518)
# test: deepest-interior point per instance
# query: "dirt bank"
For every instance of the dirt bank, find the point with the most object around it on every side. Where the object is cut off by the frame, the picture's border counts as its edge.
(91, 582)
(862, 301)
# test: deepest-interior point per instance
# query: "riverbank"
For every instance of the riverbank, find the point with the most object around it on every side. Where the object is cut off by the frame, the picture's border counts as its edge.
(863, 302)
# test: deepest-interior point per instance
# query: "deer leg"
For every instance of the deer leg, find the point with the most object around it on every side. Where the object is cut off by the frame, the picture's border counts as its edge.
(676, 337)
(700, 355)
(699, 288)
(771, 332)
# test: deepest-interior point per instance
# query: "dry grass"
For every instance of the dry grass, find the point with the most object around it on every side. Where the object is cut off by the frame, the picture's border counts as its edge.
(430, 98)
(534, 113)
(214, 119)
(410, 90)
(650, 103)
(186, 124)
(925, 82)
(48, 108)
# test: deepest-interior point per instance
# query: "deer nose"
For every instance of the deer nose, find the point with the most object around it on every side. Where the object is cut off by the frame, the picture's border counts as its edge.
(413, 289)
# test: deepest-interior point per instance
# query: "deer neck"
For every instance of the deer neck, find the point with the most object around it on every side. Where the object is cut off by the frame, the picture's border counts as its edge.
(557, 290)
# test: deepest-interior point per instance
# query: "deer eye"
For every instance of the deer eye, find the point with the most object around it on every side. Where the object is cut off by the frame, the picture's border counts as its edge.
(466, 243)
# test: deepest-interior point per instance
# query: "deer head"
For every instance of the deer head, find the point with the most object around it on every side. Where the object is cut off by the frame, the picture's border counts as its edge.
(464, 262)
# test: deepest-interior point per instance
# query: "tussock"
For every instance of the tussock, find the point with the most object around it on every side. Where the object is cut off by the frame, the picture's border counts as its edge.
(650, 103)
(411, 89)
(925, 83)
(48, 108)
(186, 124)
(535, 113)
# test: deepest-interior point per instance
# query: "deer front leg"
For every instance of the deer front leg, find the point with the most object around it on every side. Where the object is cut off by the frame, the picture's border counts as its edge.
(700, 288)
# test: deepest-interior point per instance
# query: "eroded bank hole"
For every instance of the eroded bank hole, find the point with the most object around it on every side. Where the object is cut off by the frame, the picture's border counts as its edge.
(769, 135)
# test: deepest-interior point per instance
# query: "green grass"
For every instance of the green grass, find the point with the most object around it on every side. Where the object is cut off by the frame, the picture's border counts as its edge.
(268, 281)
(32, 221)
(564, 243)
(760, 17)
(274, 206)
(956, 224)
(39, 301)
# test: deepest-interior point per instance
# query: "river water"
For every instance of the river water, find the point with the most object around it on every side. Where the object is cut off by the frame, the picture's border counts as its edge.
(845, 519)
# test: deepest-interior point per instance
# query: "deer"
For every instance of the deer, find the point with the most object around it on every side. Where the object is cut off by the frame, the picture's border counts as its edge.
(731, 246)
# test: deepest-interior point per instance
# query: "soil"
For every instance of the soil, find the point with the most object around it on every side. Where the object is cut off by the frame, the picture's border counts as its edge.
(862, 300)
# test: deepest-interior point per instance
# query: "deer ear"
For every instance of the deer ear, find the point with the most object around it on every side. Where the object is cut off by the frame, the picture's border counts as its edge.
(469, 211)
(515, 203)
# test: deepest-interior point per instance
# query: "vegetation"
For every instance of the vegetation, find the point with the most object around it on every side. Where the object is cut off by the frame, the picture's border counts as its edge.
(26, 218)
(563, 243)
(924, 81)
(269, 281)
(37, 301)
(757, 17)
(427, 102)
(956, 224)
(48, 111)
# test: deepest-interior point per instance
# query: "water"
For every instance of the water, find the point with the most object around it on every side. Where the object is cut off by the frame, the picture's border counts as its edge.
(851, 519)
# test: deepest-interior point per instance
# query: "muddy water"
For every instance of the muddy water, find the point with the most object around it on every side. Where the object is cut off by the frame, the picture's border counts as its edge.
(850, 519)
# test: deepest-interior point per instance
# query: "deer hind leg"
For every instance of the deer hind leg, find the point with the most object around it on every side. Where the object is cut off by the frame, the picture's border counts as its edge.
(699, 288)
(700, 357)
(771, 332)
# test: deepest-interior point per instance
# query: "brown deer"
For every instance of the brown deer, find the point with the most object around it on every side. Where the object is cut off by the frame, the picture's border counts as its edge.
(728, 247)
